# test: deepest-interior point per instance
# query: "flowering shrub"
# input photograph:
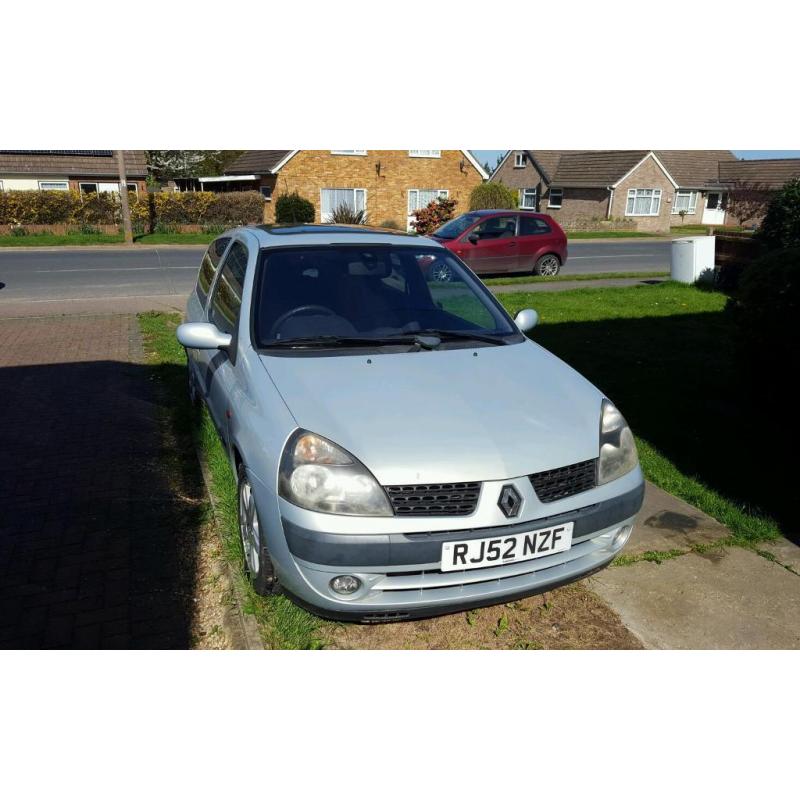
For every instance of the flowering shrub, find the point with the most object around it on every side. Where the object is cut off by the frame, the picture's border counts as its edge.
(434, 215)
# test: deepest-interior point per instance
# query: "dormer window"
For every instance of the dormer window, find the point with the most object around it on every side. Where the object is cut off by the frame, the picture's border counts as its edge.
(520, 160)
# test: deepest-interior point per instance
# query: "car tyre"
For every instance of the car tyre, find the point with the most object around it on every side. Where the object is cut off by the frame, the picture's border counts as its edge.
(257, 562)
(548, 266)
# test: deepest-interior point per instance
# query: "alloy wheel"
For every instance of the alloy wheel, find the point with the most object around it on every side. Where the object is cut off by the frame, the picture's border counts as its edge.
(249, 528)
(549, 266)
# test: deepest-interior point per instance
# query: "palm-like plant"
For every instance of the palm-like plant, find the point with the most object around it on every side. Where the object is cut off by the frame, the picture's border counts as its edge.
(347, 215)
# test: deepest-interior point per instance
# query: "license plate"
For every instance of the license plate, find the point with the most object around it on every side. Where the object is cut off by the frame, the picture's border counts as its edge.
(506, 549)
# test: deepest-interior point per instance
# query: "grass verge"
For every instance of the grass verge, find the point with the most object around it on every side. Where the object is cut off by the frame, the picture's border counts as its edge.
(584, 276)
(664, 354)
(174, 238)
(283, 625)
(53, 240)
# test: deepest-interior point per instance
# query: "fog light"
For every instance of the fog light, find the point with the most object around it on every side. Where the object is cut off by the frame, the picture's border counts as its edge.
(345, 584)
(621, 539)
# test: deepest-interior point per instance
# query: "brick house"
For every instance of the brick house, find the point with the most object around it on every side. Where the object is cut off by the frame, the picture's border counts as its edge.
(646, 188)
(764, 175)
(388, 184)
(83, 171)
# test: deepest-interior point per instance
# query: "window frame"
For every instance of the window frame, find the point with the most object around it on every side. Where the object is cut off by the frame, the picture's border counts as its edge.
(633, 195)
(2, 186)
(550, 203)
(520, 160)
(425, 153)
(81, 184)
(63, 186)
(348, 152)
(439, 193)
(691, 208)
(521, 198)
(353, 189)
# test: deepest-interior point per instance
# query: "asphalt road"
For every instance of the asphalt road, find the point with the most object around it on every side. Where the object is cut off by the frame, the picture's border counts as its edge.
(47, 275)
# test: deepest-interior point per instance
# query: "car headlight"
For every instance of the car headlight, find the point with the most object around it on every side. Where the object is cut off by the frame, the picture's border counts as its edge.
(317, 475)
(617, 447)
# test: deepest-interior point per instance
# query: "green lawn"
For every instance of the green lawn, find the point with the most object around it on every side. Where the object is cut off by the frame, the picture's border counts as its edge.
(283, 624)
(665, 355)
(610, 235)
(83, 239)
(51, 240)
(586, 276)
(694, 230)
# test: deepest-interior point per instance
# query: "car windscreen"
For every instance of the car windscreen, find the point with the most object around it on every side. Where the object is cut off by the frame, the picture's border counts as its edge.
(370, 292)
(457, 226)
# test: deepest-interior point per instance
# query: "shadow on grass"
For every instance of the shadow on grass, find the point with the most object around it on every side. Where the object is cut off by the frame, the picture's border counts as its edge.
(676, 380)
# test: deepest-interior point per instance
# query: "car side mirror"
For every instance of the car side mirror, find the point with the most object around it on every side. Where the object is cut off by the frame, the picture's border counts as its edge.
(203, 336)
(473, 238)
(526, 320)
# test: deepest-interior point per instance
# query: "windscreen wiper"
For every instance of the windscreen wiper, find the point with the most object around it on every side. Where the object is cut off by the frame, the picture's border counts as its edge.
(341, 341)
(477, 337)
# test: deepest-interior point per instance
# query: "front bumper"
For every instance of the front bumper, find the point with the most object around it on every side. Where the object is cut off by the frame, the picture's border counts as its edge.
(401, 576)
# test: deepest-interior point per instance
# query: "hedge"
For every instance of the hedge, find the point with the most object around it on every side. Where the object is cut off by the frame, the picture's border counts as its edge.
(148, 212)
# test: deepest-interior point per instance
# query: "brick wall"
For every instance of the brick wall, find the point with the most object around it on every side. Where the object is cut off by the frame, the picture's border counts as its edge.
(387, 190)
(647, 176)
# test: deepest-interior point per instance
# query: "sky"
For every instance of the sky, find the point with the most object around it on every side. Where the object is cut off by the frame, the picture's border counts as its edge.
(491, 155)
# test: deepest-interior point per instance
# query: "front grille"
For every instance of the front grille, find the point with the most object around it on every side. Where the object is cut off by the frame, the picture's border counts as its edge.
(434, 499)
(556, 484)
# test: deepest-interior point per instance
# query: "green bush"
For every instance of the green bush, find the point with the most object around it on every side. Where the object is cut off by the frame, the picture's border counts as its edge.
(148, 211)
(293, 208)
(781, 225)
(767, 314)
(492, 195)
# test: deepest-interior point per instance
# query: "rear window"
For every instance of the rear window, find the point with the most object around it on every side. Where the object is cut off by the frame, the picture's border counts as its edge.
(530, 226)
(209, 265)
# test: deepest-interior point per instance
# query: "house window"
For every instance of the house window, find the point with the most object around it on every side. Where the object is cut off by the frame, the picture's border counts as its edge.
(527, 198)
(520, 160)
(348, 152)
(266, 192)
(1, 186)
(643, 203)
(54, 186)
(425, 153)
(420, 198)
(555, 198)
(684, 201)
(331, 199)
(88, 188)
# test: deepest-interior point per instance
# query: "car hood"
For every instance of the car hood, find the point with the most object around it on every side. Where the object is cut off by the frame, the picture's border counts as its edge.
(472, 414)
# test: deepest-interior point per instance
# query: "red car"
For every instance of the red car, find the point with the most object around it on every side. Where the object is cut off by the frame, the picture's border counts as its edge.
(506, 241)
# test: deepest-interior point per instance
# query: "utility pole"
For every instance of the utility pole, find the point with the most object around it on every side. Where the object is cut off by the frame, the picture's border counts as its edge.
(123, 198)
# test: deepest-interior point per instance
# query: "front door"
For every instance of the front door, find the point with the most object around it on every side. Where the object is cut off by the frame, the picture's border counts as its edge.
(491, 246)
(714, 211)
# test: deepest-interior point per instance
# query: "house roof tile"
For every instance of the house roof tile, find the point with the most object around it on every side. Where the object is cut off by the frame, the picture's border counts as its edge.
(71, 162)
(773, 173)
(694, 169)
(257, 162)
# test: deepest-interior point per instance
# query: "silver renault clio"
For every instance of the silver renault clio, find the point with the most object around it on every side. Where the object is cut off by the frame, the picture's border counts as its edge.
(402, 449)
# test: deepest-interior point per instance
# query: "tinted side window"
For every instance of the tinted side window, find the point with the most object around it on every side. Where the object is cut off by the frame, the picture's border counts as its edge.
(226, 302)
(530, 226)
(209, 266)
(497, 228)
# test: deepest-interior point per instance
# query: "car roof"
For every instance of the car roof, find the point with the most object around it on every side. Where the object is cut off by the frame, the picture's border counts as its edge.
(305, 234)
(489, 212)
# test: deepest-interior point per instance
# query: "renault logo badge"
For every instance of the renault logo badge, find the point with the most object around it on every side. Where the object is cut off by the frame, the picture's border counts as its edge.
(510, 501)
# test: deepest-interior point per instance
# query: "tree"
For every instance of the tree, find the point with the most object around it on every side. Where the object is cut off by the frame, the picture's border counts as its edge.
(747, 200)
(492, 195)
(168, 165)
(434, 215)
(781, 225)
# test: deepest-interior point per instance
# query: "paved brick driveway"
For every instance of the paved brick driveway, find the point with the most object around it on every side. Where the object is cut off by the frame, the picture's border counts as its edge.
(87, 552)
